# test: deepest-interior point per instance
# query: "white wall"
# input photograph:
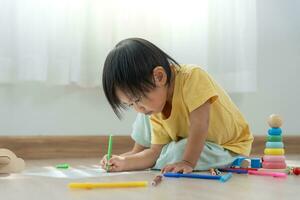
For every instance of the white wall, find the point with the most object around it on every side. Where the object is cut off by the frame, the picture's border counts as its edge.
(278, 68)
(33, 109)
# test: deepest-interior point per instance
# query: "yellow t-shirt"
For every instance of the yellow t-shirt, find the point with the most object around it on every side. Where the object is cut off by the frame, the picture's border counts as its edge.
(193, 87)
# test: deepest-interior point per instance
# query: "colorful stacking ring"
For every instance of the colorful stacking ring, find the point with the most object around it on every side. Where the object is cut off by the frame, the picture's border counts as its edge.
(275, 131)
(274, 151)
(274, 138)
(274, 145)
(274, 165)
(267, 158)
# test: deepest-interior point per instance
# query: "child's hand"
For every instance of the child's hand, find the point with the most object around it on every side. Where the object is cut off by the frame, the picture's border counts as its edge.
(179, 167)
(117, 164)
(104, 162)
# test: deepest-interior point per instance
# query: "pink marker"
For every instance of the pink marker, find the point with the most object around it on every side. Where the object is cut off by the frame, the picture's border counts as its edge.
(265, 173)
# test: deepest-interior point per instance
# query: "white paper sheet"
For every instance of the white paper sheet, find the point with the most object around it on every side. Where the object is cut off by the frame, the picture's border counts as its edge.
(72, 172)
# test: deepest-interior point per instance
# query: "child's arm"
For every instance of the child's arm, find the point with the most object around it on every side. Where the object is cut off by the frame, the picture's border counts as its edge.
(142, 160)
(199, 122)
(136, 149)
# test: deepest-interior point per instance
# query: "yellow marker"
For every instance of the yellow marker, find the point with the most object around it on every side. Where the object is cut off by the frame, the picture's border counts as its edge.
(269, 151)
(108, 185)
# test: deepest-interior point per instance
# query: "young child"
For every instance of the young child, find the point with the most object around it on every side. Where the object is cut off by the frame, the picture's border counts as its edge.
(182, 100)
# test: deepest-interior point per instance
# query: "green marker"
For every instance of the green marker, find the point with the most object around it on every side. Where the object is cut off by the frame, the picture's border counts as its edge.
(109, 151)
(62, 166)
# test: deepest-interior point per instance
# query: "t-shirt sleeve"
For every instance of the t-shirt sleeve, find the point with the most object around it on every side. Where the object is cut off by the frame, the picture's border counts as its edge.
(158, 135)
(198, 89)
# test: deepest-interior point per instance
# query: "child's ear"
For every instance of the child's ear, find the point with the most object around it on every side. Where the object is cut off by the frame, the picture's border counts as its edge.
(159, 76)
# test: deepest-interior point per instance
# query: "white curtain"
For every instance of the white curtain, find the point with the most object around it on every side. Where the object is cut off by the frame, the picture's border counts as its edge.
(63, 42)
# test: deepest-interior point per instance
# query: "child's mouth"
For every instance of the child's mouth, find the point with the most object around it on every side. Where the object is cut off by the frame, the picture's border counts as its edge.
(148, 113)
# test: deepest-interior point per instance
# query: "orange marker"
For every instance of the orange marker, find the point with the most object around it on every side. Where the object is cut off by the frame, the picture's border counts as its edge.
(156, 180)
(212, 172)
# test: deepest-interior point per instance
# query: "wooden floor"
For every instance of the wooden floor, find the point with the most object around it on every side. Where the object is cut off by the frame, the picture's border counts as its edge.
(41, 180)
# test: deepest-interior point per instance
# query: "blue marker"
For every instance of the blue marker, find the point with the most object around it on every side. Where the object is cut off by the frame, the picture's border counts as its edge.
(223, 178)
(235, 170)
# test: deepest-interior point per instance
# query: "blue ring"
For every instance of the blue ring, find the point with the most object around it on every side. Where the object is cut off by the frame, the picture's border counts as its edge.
(274, 145)
(275, 131)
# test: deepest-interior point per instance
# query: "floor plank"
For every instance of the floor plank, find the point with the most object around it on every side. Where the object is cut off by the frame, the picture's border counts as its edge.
(33, 187)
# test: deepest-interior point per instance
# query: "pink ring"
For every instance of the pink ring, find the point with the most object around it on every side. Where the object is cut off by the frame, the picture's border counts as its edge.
(274, 165)
(269, 158)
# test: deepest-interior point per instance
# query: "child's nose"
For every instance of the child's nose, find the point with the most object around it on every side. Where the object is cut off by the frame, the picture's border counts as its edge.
(139, 108)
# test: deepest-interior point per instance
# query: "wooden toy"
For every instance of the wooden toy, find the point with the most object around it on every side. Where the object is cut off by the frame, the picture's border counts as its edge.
(275, 131)
(274, 138)
(241, 162)
(274, 165)
(275, 121)
(268, 158)
(255, 163)
(274, 145)
(274, 151)
(10, 163)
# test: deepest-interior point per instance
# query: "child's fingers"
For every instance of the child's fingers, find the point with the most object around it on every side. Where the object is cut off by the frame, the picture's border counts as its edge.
(113, 168)
(103, 160)
(187, 170)
(178, 170)
(103, 163)
(113, 160)
(168, 168)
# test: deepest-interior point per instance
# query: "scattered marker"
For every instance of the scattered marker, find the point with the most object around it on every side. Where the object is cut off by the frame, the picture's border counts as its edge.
(108, 185)
(223, 178)
(156, 180)
(62, 166)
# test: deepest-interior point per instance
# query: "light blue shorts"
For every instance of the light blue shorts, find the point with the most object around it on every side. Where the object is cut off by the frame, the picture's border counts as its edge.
(212, 156)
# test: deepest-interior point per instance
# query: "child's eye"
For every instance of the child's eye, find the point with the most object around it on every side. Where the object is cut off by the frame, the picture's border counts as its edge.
(137, 100)
(130, 105)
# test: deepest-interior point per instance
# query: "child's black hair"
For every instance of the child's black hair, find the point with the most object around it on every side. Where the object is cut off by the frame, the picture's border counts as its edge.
(129, 67)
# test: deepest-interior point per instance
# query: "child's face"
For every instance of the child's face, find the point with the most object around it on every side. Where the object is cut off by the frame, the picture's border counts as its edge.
(154, 101)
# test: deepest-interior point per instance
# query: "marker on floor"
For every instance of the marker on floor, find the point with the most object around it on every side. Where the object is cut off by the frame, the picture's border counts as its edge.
(62, 166)
(157, 180)
(89, 185)
(265, 173)
(223, 178)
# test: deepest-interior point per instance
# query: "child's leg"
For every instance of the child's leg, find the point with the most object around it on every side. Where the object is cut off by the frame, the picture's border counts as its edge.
(212, 156)
(141, 130)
